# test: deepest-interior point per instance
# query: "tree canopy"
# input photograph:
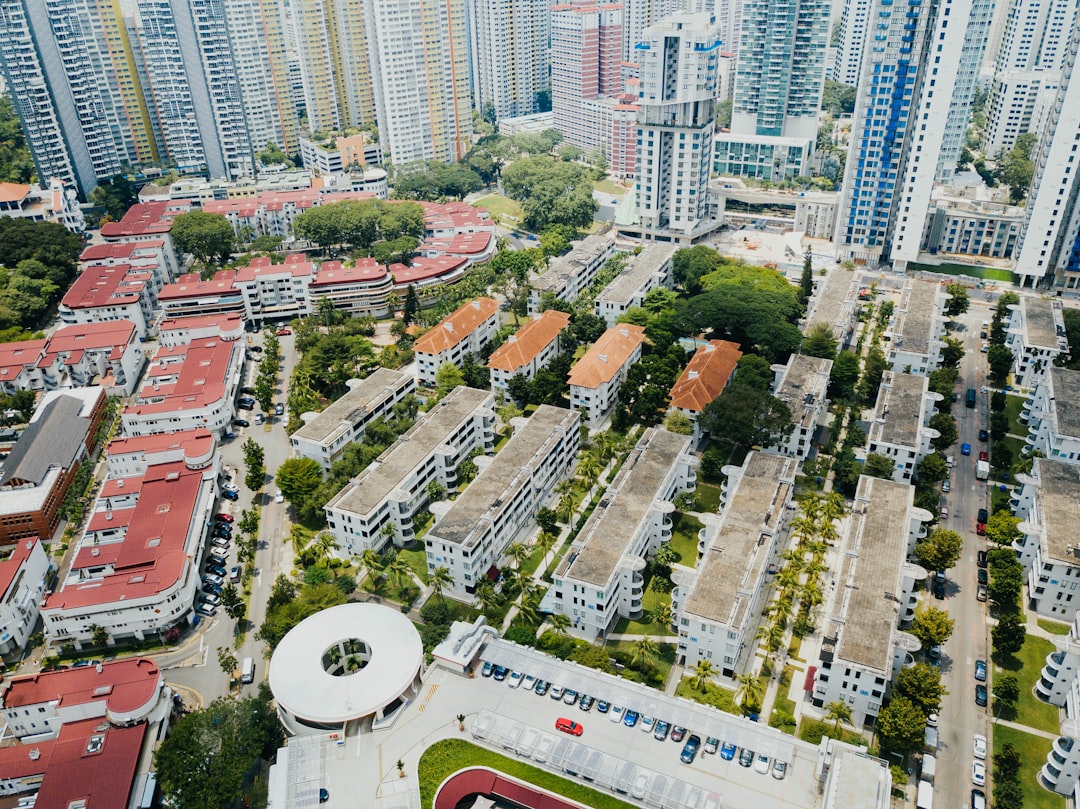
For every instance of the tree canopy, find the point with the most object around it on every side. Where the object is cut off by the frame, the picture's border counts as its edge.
(16, 163)
(298, 479)
(37, 265)
(551, 192)
(940, 550)
(433, 180)
(207, 236)
(359, 224)
(743, 415)
(203, 760)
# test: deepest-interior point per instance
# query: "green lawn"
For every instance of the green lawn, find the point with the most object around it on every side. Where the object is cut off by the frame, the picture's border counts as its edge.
(1027, 666)
(502, 207)
(708, 497)
(416, 557)
(1014, 445)
(1053, 627)
(713, 694)
(1014, 406)
(1033, 750)
(646, 626)
(450, 755)
(660, 666)
(988, 273)
(684, 538)
(811, 730)
(999, 499)
(608, 186)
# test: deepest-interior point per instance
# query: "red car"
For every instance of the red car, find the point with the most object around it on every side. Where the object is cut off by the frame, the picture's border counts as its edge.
(224, 517)
(283, 332)
(568, 726)
(983, 456)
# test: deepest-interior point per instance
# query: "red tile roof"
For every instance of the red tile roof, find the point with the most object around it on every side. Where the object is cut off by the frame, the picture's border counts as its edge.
(112, 334)
(424, 268)
(193, 442)
(102, 779)
(530, 340)
(363, 269)
(706, 375)
(13, 192)
(112, 285)
(297, 265)
(145, 217)
(455, 328)
(123, 685)
(9, 567)
(607, 355)
(192, 286)
(114, 250)
(16, 356)
(463, 244)
(185, 377)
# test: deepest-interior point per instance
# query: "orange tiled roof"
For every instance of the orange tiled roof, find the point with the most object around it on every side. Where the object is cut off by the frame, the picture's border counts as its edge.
(603, 360)
(13, 192)
(706, 376)
(530, 340)
(456, 327)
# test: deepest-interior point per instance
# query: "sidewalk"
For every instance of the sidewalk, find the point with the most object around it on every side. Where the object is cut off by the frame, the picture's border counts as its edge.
(1025, 729)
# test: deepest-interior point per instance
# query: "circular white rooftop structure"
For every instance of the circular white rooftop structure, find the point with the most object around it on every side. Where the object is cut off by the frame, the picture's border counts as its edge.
(345, 663)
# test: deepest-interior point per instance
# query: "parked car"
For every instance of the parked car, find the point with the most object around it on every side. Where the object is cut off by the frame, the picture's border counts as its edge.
(690, 749)
(983, 576)
(981, 593)
(586, 702)
(568, 726)
(241, 423)
(677, 733)
(944, 515)
(983, 456)
(256, 349)
(259, 419)
(284, 331)
(980, 521)
(541, 687)
(556, 692)
(220, 542)
(209, 610)
(984, 435)
(648, 723)
(712, 744)
(630, 718)
(231, 495)
(661, 731)
(980, 670)
(978, 746)
(487, 669)
(279, 498)
(946, 486)
(223, 517)
(602, 707)
(761, 764)
(244, 406)
(213, 578)
(978, 773)
(980, 695)
(570, 697)
(779, 769)
(746, 757)
(980, 558)
(215, 568)
(616, 713)
(279, 409)
(515, 679)
(529, 683)
(501, 672)
(965, 449)
(210, 598)
(246, 400)
(978, 799)
(932, 720)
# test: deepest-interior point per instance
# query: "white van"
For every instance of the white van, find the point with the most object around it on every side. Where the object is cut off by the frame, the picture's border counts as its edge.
(247, 671)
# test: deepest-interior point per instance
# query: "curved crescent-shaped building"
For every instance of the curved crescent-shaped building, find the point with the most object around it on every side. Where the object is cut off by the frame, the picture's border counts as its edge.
(345, 664)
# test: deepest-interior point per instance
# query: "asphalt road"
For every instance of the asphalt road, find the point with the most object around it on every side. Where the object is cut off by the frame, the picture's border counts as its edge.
(199, 670)
(960, 718)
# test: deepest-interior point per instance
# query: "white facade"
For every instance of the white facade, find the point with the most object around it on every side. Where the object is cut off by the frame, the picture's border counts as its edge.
(679, 64)
(917, 329)
(597, 377)
(276, 291)
(848, 63)
(570, 275)
(22, 585)
(471, 536)
(463, 333)
(863, 648)
(419, 56)
(1059, 684)
(648, 270)
(802, 384)
(1036, 336)
(1053, 418)
(535, 345)
(325, 435)
(600, 579)
(900, 428)
(511, 56)
(718, 609)
(378, 507)
(1046, 506)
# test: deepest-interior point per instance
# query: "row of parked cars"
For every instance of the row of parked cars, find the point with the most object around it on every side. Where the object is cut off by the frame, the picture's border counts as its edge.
(215, 571)
(659, 728)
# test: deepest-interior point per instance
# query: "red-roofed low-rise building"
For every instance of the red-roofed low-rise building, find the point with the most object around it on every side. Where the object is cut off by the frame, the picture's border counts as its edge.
(109, 293)
(704, 378)
(276, 291)
(147, 222)
(191, 295)
(87, 765)
(534, 346)
(19, 366)
(596, 378)
(56, 203)
(107, 354)
(122, 692)
(134, 572)
(359, 289)
(464, 332)
(148, 255)
(23, 571)
(192, 380)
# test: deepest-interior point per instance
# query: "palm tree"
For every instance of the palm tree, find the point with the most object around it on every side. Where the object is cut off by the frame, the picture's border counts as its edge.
(300, 538)
(559, 623)
(589, 469)
(644, 652)
(838, 712)
(788, 578)
(372, 561)
(519, 552)
(565, 507)
(749, 691)
(662, 615)
(546, 543)
(772, 634)
(804, 528)
(810, 505)
(811, 593)
(486, 595)
(398, 569)
(604, 445)
(324, 545)
(703, 672)
(665, 555)
(439, 578)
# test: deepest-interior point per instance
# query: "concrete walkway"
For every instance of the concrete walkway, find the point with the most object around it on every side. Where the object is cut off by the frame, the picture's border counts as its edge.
(1025, 729)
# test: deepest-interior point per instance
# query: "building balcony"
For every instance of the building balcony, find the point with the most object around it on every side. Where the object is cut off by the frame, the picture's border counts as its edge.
(1049, 774)
(1049, 673)
(1044, 688)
